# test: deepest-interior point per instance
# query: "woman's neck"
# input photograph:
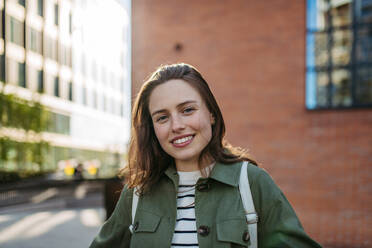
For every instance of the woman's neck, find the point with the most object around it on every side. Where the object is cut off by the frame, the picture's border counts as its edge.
(186, 166)
(192, 165)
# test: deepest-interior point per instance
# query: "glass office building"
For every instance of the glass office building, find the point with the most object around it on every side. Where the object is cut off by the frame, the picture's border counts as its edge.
(74, 58)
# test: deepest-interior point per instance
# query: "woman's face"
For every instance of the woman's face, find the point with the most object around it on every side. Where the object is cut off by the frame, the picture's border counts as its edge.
(181, 120)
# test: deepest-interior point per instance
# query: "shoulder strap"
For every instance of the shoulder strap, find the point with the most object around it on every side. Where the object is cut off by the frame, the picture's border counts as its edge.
(134, 208)
(246, 195)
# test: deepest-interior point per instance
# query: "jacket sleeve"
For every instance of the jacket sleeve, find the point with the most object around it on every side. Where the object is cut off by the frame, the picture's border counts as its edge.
(115, 231)
(278, 224)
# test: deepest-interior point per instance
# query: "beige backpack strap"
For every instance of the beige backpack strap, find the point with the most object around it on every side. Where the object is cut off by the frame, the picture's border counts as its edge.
(134, 208)
(250, 212)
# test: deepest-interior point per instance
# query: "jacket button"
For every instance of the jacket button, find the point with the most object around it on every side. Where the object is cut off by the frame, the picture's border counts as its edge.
(135, 226)
(246, 236)
(203, 230)
(205, 186)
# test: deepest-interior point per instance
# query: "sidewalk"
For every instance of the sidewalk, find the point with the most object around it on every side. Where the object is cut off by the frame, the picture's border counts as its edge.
(72, 228)
(51, 216)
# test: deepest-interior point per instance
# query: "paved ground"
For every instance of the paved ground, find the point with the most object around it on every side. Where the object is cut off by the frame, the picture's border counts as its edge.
(51, 217)
(50, 229)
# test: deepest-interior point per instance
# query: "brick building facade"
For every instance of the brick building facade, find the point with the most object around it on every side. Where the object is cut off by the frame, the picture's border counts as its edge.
(252, 54)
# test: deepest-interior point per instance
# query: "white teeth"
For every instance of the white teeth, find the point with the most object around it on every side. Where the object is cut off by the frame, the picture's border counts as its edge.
(179, 141)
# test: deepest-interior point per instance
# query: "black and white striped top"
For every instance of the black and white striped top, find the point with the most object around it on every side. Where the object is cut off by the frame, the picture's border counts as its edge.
(185, 234)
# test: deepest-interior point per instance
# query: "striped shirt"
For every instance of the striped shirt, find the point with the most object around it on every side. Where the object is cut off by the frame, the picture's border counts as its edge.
(185, 234)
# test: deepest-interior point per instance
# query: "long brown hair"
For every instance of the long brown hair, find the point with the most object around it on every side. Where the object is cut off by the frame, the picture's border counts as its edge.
(146, 159)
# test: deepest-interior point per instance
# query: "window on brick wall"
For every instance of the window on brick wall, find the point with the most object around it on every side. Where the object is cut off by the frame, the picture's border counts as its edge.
(339, 54)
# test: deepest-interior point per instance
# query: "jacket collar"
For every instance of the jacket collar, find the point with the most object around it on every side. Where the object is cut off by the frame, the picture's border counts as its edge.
(171, 172)
(224, 173)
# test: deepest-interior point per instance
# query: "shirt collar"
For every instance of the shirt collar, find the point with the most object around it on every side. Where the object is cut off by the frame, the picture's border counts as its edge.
(224, 173)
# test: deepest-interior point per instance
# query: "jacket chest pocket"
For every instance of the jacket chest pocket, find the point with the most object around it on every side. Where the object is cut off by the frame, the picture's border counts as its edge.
(233, 232)
(145, 230)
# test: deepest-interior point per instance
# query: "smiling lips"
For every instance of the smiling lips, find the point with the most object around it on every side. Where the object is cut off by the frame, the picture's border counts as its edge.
(182, 141)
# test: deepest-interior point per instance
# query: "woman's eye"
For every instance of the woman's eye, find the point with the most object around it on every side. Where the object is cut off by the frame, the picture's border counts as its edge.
(161, 118)
(188, 110)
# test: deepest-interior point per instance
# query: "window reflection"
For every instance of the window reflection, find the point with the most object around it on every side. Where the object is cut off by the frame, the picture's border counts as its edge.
(70, 91)
(364, 85)
(341, 12)
(321, 49)
(341, 88)
(56, 86)
(322, 84)
(59, 123)
(339, 53)
(35, 40)
(16, 31)
(51, 48)
(342, 45)
(40, 81)
(364, 44)
(21, 75)
(40, 7)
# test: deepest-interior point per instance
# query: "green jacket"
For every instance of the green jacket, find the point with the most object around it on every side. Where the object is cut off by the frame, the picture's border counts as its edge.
(217, 205)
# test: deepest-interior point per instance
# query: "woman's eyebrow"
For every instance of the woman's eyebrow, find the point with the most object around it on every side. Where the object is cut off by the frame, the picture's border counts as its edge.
(178, 106)
(158, 111)
(184, 103)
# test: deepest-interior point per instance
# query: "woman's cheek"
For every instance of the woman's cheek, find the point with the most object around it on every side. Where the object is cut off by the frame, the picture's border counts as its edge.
(160, 132)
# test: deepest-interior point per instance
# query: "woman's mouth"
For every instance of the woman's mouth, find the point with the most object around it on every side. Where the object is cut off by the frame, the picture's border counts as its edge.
(182, 142)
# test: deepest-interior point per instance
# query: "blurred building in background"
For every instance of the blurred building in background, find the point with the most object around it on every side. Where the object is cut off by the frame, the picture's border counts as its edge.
(294, 82)
(73, 57)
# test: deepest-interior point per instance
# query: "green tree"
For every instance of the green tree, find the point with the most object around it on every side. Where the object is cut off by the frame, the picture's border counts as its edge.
(25, 156)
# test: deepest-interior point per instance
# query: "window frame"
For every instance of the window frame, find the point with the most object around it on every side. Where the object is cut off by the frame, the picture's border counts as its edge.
(353, 67)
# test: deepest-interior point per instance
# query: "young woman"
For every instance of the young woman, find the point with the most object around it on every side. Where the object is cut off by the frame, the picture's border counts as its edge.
(187, 175)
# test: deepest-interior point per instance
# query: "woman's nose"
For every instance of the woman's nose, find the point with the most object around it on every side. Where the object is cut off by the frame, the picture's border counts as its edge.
(177, 124)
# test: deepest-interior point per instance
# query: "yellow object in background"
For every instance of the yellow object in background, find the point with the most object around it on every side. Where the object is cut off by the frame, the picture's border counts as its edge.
(92, 170)
(69, 170)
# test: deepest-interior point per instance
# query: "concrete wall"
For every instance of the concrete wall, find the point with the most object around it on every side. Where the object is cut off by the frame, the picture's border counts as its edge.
(252, 53)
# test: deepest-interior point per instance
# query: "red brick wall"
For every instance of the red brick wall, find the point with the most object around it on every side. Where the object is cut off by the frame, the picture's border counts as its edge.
(252, 53)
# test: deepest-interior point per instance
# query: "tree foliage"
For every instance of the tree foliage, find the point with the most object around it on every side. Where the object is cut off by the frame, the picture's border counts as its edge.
(27, 154)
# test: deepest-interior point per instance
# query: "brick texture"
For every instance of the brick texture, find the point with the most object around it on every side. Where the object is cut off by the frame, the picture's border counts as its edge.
(252, 53)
